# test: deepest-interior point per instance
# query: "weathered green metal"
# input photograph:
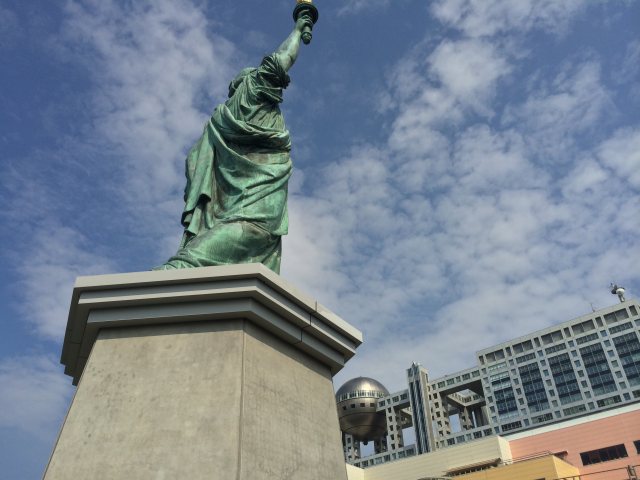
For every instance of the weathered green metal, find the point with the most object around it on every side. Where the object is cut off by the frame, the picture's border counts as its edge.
(306, 8)
(238, 171)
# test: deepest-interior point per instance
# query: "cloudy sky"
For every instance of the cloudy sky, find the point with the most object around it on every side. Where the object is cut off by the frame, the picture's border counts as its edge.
(467, 171)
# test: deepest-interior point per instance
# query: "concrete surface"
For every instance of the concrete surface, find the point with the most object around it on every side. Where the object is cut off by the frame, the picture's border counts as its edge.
(204, 400)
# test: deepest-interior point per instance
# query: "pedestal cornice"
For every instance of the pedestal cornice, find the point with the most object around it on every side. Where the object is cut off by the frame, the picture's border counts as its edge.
(248, 291)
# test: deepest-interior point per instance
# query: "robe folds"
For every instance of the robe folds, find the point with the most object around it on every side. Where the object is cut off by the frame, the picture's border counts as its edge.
(237, 177)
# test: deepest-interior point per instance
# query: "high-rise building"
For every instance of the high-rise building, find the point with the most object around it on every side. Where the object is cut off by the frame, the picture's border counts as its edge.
(583, 366)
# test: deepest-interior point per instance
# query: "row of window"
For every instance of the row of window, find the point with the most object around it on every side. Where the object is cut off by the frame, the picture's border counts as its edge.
(576, 329)
(596, 366)
(607, 454)
(459, 378)
(361, 393)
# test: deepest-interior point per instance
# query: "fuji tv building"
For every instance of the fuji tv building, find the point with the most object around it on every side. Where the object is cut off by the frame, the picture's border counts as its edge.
(563, 402)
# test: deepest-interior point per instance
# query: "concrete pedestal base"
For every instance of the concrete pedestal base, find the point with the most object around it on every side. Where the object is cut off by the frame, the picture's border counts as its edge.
(191, 378)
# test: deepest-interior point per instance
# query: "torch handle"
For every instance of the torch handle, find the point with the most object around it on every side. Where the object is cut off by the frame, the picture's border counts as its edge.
(306, 35)
(306, 8)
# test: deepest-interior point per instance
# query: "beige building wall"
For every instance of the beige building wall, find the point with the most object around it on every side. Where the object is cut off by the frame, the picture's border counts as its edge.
(546, 467)
(435, 464)
(355, 473)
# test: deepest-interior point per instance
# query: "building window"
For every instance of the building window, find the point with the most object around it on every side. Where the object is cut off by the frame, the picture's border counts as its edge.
(503, 392)
(587, 338)
(565, 379)
(526, 358)
(547, 417)
(609, 401)
(598, 371)
(583, 327)
(636, 443)
(628, 348)
(511, 426)
(555, 348)
(552, 337)
(604, 455)
(575, 410)
(620, 328)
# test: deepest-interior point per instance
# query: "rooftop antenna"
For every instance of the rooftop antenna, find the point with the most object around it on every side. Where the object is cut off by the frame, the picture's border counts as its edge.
(616, 290)
(593, 309)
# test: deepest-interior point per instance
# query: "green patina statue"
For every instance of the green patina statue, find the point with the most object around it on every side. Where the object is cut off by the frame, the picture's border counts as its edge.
(237, 173)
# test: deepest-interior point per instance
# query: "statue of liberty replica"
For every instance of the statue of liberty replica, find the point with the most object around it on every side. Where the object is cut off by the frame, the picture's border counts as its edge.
(237, 173)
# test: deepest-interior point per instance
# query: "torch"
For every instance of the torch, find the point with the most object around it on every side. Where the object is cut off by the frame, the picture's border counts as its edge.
(306, 7)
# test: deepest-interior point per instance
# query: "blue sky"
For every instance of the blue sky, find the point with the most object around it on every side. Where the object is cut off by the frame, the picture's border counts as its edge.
(467, 171)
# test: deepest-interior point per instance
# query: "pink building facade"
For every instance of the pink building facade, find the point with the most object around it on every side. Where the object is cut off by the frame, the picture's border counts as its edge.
(606, 442)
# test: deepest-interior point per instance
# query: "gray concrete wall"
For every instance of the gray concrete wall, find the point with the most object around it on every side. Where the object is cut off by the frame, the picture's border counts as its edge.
(207, 400)
(289, 402)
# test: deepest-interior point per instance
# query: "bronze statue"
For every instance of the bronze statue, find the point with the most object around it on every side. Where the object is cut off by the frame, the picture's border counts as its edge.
(238, 171)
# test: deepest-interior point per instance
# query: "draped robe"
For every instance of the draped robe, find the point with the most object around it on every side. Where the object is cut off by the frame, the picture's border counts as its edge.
(237, 176)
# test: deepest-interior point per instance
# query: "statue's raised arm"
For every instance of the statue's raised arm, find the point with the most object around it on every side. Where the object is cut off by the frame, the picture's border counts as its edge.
(287, 53)
(237, 173)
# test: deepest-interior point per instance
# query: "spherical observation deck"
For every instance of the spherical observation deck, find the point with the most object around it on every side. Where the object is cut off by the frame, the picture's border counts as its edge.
(357, 403)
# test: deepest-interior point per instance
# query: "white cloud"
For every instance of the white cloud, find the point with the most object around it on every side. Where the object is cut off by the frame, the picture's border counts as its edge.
(34, 395)
(353, 6)
(587, 178)
(630, 66)
(469, 70)
(158, 72)
(490, 17)
(57, 256)
(456, 78)
(489, 160)
(622, 154)
(554, 115)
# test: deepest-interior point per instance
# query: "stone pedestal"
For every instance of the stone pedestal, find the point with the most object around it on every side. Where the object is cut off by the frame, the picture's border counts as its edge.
(211, 373)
